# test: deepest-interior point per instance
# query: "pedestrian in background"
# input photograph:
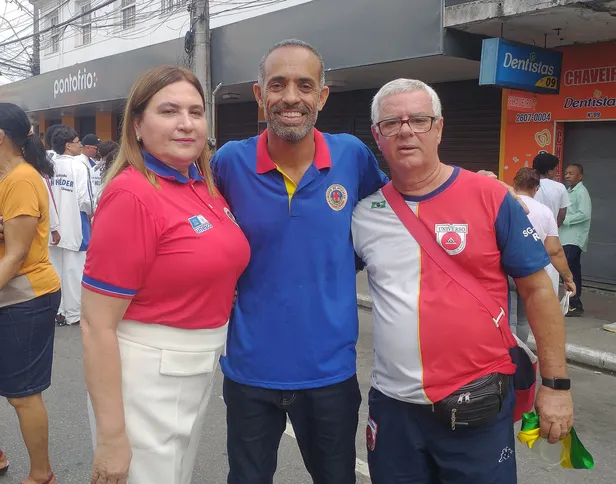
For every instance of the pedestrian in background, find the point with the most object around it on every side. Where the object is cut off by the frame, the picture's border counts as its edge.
(29, 286)
(551, 193)
(164, 260)
(89, 148)
(575, 230)
(526, 184)
(72, 192)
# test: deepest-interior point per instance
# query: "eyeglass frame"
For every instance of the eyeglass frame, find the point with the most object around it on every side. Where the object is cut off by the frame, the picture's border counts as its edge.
(408, 121)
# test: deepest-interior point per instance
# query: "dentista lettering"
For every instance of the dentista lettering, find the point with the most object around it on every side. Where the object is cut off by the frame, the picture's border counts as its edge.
(527, 65)
(81, 82)
(591, 102)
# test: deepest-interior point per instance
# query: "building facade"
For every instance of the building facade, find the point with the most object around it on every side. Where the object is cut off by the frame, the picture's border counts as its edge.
(578, 124)
(89, 64)
(87, 74)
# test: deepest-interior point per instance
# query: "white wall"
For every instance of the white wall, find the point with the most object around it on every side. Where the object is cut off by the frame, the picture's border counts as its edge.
(108, 37)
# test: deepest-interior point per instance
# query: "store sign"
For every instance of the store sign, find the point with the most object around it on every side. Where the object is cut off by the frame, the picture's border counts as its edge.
(535, 122)
(81, 81)
(520, 66)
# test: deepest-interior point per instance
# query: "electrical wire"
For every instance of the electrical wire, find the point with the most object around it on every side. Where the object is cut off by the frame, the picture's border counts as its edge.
(110, 24)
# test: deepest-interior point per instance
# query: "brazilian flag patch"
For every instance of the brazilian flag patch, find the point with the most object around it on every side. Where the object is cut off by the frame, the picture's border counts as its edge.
(381, 204)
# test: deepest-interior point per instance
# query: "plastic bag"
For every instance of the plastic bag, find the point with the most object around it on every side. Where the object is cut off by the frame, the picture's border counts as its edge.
(569, 453)
(564, 302)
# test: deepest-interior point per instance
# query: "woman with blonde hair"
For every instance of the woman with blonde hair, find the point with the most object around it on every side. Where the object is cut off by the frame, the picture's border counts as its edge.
(158, 285)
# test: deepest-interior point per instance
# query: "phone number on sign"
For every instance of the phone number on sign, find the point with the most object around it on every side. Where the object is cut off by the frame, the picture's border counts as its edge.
(533, 118)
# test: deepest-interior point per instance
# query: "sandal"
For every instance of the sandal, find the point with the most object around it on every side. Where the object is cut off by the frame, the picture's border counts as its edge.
(5, 469)
(51, 478)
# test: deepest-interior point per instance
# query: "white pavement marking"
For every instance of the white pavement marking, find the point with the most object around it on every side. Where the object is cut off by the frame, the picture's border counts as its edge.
(361, 467)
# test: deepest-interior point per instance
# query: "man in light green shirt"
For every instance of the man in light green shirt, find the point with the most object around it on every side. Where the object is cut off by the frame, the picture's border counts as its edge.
(574, 231)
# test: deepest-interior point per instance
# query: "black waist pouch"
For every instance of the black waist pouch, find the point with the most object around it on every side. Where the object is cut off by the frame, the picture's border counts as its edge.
(474, 404)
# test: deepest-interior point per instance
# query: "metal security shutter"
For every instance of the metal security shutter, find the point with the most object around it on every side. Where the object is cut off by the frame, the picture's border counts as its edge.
(592, 145)
(471, 135)
(337, 114)
(363, 124)
(237, 121)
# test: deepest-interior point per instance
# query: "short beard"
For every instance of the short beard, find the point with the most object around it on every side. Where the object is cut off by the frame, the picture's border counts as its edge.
(291, 133)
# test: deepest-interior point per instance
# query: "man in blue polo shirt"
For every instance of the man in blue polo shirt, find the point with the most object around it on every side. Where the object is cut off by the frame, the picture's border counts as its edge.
(291, 345)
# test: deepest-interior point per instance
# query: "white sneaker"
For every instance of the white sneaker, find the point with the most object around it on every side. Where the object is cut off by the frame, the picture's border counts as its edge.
(611, 327)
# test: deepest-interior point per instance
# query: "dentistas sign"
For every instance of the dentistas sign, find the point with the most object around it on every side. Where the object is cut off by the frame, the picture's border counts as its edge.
(520, 66)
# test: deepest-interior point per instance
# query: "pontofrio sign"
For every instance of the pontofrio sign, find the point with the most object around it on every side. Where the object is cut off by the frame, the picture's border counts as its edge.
(82, 81)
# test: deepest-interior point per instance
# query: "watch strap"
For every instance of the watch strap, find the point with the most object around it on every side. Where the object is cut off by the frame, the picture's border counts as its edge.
(557, 383)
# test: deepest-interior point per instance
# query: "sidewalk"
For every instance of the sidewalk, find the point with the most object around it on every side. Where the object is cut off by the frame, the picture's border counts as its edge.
(587, 343)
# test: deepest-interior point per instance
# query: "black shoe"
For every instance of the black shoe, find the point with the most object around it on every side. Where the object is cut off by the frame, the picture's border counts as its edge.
(60, 320)
(575, 312)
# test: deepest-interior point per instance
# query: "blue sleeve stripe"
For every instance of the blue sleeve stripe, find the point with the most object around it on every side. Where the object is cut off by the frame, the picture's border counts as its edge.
(108, 288)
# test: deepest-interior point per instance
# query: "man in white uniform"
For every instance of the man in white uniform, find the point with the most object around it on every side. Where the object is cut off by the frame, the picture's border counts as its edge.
(526, 184)
(90, 144)
(71, 189)
(551, 193)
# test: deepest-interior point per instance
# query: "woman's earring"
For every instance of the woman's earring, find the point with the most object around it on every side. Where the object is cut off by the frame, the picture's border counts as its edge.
(138, 139)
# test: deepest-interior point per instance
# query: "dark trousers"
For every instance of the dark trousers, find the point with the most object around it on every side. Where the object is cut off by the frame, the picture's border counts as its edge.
(324, 421)
(574, 259)
(407, 444)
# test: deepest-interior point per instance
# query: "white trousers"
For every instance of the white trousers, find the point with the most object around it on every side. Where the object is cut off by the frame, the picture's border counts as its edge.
(167, 379)
(69, 264)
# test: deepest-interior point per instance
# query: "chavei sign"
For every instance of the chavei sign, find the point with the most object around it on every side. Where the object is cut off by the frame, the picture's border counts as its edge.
(520, 66)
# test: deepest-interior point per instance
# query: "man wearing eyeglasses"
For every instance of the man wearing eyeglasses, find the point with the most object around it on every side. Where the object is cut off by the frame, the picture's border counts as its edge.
(442, 396)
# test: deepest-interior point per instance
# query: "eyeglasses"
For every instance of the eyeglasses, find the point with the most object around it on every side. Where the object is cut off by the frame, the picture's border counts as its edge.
(418, 124)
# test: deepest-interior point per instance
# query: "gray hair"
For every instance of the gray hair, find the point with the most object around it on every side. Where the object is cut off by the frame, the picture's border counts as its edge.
(291, 43)
(399, 86)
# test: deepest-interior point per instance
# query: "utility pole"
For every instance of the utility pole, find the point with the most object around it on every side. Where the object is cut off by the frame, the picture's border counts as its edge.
(201, 56)
(36, 46)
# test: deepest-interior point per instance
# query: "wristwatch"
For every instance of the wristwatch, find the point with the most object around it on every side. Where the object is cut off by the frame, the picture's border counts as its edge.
(557, 383)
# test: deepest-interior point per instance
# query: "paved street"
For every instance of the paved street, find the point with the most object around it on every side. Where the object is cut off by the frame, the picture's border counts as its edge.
(71, 447)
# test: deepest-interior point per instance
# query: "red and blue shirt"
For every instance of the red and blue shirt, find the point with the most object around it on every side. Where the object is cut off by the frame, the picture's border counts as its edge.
(295, 322)
(176, 251)
(430, 337)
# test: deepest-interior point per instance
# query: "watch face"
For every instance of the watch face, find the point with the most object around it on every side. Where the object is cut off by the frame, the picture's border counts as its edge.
(562, 384)
(557, 383)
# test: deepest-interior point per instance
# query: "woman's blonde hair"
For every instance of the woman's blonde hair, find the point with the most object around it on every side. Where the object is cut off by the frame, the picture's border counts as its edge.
(143, 90)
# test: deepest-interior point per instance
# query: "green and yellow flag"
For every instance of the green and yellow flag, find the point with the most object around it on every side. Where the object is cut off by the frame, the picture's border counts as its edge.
(573, 453)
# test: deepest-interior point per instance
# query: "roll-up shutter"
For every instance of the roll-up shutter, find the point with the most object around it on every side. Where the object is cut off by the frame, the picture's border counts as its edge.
(237, 121)
(471, 134)
(337, 114)
(363, 124)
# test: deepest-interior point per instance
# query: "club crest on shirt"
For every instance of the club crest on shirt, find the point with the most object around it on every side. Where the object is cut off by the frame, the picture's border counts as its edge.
(199, 224)
(372, 429)
(451, 237)
(336, 196)
(230, 215)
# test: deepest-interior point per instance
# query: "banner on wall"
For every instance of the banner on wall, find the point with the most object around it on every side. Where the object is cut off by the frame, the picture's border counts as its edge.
(535, 122)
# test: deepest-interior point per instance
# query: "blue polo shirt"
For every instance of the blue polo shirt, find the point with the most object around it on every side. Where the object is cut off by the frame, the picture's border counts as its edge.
(295, 323)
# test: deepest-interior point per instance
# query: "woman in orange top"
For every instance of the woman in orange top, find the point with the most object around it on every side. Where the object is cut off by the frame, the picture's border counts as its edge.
(29, 287)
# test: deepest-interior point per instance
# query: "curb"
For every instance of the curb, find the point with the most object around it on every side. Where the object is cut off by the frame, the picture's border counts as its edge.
(582, 355)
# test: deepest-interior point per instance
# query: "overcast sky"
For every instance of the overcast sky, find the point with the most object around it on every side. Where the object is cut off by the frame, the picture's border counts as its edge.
(20, 21)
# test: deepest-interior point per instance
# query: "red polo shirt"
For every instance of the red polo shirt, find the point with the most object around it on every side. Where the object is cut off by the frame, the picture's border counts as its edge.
(175, 251)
